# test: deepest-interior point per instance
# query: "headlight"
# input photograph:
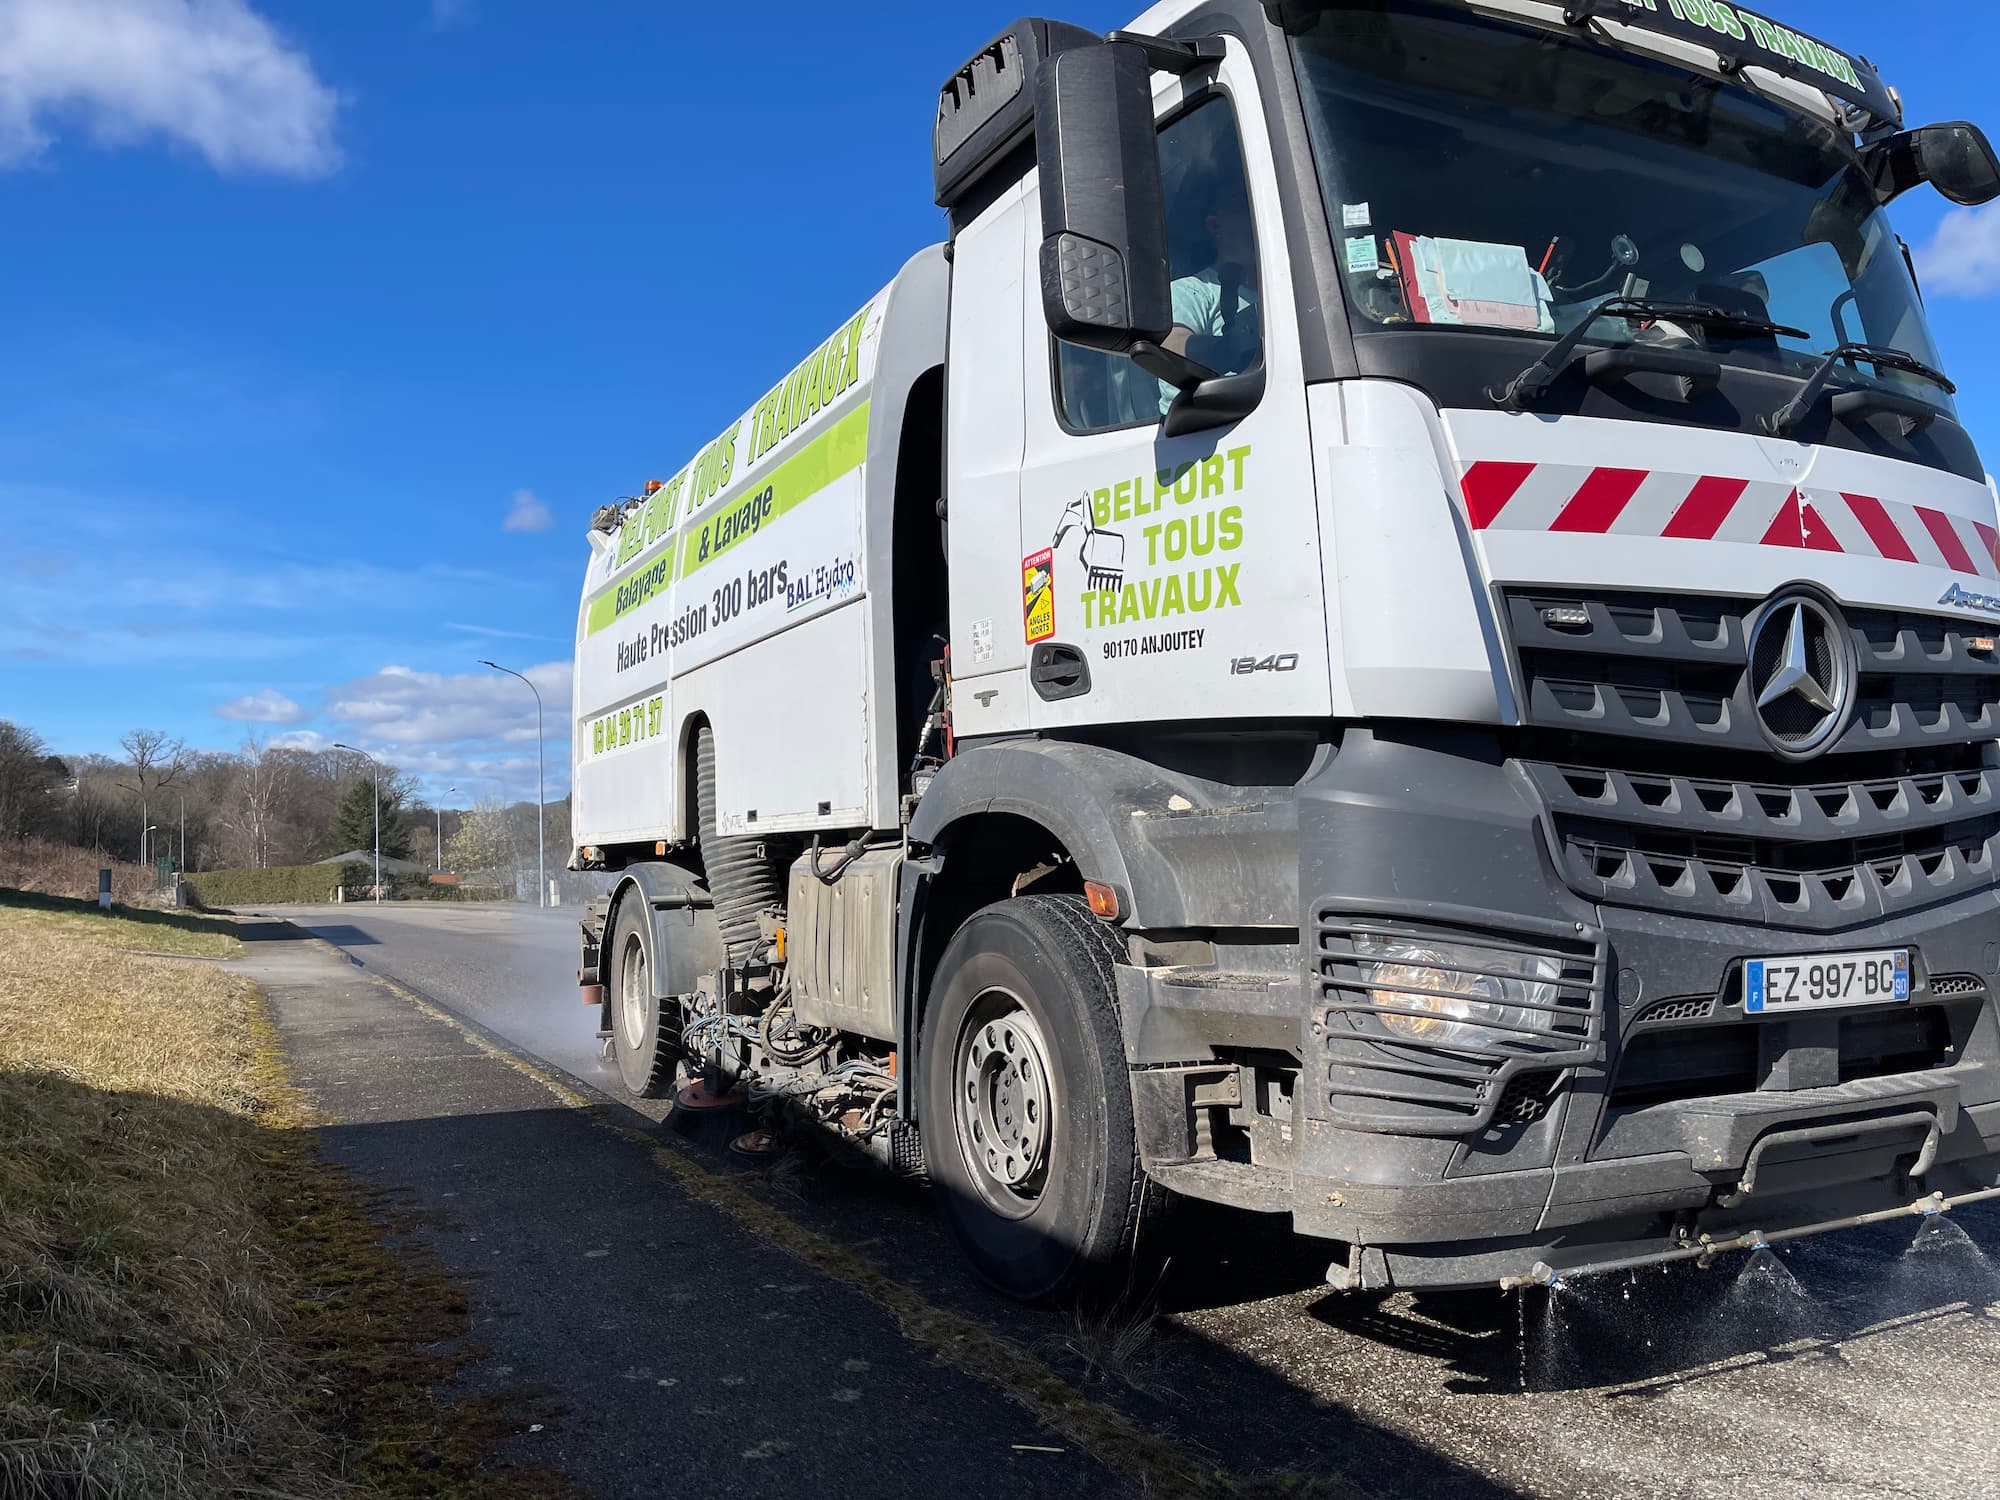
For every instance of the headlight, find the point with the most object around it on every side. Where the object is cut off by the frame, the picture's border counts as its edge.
(1449, 995)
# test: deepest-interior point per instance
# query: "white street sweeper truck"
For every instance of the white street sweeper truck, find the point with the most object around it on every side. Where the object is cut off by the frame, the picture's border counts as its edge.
(1400, 629)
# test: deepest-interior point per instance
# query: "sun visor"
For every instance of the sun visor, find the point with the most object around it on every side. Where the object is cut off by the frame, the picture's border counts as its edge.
(1741, 38)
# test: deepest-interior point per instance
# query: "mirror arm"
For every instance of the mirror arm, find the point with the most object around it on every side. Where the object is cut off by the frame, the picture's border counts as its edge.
(1221, 402)
(1891, 167)
(1177, 370)
(1167, 55)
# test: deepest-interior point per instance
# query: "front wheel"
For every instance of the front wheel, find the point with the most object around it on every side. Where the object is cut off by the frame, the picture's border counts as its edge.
(646, 1047)
(1028, 1105)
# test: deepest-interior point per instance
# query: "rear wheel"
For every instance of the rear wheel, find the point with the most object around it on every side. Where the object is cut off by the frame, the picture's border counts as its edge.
(646, 1046)
(1028, 1105)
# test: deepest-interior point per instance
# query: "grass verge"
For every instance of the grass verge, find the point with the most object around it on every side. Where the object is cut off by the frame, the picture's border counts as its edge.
(191, 1302)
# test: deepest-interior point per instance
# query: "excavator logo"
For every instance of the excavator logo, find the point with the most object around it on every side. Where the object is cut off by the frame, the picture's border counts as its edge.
(1102, 553)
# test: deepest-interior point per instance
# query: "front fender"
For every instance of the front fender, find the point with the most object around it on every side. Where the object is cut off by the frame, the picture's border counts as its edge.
(1180, 851)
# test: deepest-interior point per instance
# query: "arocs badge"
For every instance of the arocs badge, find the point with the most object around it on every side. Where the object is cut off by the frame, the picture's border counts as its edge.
(1038, 594)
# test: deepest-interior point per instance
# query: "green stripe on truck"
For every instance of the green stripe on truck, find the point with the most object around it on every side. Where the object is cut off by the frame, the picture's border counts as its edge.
(831, 456)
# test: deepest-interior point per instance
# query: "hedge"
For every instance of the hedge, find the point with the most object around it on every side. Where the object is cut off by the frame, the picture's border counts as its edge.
(299, 885)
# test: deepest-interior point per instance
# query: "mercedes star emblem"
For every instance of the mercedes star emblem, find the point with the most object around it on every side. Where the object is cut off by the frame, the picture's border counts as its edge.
(1802, 672)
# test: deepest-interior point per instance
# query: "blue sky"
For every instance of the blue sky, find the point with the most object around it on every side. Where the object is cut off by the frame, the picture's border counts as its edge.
(327, 325)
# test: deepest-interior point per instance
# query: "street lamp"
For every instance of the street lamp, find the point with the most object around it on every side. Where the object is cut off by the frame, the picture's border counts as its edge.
(541, 794)
(439, 810)
(146, 844)
(376, 767)
(145, 813)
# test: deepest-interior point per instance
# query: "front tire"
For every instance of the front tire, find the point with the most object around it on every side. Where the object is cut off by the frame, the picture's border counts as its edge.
(1028, 1104)
(646, 1046)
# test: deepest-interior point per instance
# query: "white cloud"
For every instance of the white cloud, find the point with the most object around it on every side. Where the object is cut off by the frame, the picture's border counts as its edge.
(1963, 257)
(410, 710)
(210, 74)
(267, 707)
(526, 513)
(300, 739)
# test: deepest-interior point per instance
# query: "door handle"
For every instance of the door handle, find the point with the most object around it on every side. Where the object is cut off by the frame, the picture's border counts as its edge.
(1057, 671)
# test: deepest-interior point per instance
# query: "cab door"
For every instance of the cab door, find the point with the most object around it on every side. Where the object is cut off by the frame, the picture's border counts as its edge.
(983, 425)
(1177, 578)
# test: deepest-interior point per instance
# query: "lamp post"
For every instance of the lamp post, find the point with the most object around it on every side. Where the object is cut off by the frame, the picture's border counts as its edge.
(145, 814)
(375, 767)
(541, 794)
(146, 844)
(448, 791)
(184, 835)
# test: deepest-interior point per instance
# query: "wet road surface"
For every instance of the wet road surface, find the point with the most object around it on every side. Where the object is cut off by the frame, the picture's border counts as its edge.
(1861, 1365)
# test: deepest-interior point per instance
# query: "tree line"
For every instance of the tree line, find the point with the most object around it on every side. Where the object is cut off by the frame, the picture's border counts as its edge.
(256, 807)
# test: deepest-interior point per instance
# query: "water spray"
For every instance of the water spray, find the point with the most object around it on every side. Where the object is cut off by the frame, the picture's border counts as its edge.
(1704, 1251)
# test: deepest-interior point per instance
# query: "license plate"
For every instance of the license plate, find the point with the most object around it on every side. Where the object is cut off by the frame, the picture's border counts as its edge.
(1816, 982)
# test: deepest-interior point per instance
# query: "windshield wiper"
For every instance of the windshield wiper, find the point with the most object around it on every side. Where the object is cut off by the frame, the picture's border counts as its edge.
(1785, 421)
(1533, 383)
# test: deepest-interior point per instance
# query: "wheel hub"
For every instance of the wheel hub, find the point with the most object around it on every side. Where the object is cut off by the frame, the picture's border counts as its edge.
(1004, 1100)
(632, 988)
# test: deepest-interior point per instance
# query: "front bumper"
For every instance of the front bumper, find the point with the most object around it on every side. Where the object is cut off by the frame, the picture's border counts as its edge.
(1666, 1116)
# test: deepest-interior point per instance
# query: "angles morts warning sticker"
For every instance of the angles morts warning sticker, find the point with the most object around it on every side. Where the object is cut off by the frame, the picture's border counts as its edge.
(1038, 595)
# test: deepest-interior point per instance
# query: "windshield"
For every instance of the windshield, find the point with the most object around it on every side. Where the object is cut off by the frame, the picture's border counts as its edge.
(1485, 175)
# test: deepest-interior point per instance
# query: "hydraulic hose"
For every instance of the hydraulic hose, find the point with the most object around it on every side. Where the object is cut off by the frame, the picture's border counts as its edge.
(741, 880)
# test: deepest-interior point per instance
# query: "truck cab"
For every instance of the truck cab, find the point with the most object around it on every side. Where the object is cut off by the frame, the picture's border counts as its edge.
(1416, 646)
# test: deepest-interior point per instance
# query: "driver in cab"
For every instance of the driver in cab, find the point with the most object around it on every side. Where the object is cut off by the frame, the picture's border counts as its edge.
(1216, 319)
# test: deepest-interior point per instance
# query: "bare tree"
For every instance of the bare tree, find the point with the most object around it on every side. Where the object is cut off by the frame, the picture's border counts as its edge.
(156, 761)
(254, 801)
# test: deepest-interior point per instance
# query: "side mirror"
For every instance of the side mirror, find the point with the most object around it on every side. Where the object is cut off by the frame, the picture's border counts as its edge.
(1956, 159)
(1105, 282)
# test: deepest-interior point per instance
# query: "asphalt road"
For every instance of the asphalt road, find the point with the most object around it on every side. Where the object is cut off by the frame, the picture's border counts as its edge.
(1862, 1365)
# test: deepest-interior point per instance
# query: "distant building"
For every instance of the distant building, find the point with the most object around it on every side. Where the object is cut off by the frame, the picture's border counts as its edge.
(367, 857)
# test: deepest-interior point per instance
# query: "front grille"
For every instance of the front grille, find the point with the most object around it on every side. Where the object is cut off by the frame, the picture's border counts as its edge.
(1957, 984)
(1785, 855)
(1379, 1079)
(1903, 810)
(1526, 1099)
(1673, 668)
(1667, 1012)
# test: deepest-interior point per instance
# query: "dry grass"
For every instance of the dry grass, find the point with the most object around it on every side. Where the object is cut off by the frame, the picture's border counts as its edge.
(191, 1304)
(1113, 1344)
(142, 1346)
(52, 869)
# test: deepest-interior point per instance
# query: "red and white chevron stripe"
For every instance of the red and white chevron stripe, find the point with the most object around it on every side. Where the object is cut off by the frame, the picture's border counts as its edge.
(1639, 502)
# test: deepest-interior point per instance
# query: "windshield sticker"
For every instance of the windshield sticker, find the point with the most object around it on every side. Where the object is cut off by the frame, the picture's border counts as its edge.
(1038, 595)
(1355, 216)
(1470, 283)
(1362, 256)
